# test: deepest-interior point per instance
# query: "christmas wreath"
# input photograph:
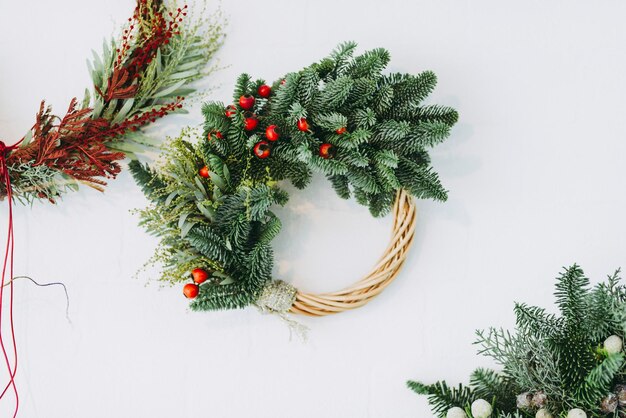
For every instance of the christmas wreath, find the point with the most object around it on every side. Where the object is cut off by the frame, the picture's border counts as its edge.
(140, 77)
(570, 365)
(367, 131)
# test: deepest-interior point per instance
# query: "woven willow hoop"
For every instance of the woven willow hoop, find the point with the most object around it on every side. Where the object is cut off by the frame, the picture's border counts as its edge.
(383, 273)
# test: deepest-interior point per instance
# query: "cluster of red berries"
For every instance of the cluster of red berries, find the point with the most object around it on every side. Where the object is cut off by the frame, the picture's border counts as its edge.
(326, 150)
(263, 148)
(161, 30)
(199, 276)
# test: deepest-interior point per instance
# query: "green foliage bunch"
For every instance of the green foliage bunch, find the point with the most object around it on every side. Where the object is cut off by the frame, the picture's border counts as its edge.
(375, 124)
(553, 363)
(170, 75)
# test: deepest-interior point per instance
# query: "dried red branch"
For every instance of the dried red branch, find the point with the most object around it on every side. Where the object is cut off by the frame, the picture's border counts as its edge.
(77, 144)
(152, 30)
(119, 86)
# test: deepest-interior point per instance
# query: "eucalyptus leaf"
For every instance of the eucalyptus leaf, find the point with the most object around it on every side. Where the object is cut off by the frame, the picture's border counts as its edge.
(121, 115)
(191, 64)
(27, 138)
(182, 219)
(92, 72)
(159, 63)
(141, 138)
(184, 74)
(227, 280)
(170, 197)
(200, 186)
(186, 228)
(208, 212)
(86, 99)
(169, 90)
(97, 62)
(217, 180)
(199, 196)
(105, 48)
(110, 109)
(97, 106)
(217, 194)
(185, 91)
(125, 146)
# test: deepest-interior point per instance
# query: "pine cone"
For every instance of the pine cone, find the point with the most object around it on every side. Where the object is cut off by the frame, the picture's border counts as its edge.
(620, 391)
(609, 404)
(524, 400)
(539, 399)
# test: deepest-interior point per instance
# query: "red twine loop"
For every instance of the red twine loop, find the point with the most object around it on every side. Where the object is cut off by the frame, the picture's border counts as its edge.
(8, 262)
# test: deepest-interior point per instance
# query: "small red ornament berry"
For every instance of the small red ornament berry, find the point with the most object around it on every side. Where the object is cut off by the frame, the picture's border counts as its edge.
(204, 172)
(231, 110)
(250, 122)
(246, 102)
(283, 81)
(191, 290)
(199, 275)
(341, 130)
(262, 149)
(264, 91)
(303, 125)
(217, 134)
(327, 151)
(271, 133)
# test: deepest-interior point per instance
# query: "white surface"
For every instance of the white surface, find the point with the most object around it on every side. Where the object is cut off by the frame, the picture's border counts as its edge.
(536, 174)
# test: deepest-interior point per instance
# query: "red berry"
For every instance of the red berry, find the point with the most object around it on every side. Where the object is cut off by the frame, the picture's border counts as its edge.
(199, 275)
(262, 149)
(303, 125)
(246, 102)
(250, 122)
(264, 91)
(341, 130)
(327, 151)
(217, 134)
(230, 110)
(271, 133)
(204, 172)
(283, 81)
(191, 290)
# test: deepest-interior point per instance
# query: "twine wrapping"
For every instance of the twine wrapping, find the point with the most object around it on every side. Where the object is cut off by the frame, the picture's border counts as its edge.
(277, 297)
(383, 273)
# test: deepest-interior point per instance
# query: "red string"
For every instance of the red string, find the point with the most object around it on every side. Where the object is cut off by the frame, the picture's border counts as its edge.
(8, 261)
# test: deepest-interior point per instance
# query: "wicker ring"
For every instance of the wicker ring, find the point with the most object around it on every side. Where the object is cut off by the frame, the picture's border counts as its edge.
(383, 273)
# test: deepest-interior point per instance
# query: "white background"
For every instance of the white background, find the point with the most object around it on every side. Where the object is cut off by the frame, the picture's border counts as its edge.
(535, 169)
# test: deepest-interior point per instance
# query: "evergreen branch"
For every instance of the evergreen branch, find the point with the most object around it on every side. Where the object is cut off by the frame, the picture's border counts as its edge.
(442, 397)
(554, 363)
